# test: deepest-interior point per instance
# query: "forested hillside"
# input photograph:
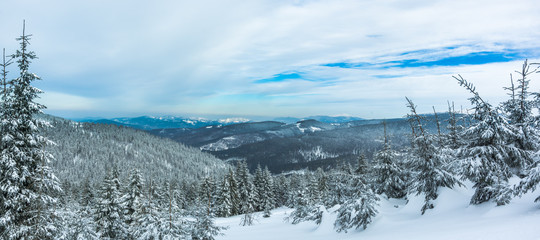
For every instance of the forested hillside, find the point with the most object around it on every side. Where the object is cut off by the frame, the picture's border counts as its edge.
(89, 150)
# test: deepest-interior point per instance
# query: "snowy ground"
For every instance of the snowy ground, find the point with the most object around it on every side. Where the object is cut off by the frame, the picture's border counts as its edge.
(452, 218)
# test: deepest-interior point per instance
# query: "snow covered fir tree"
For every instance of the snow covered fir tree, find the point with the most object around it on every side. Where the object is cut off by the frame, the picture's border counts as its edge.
(28, 187)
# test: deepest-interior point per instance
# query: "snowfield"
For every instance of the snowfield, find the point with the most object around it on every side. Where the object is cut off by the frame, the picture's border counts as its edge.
(453, 218)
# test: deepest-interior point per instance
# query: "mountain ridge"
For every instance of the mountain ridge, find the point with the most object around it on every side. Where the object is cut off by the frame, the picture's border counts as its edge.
(151, 122)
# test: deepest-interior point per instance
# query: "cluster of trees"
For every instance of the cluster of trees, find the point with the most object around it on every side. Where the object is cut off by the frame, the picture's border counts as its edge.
(135, 208)
(239, 192)
(487, 148)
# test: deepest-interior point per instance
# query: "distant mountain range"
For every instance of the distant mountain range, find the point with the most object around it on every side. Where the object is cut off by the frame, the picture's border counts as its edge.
(283, 144)
(320, 118)
(149, 123)
(307, 143)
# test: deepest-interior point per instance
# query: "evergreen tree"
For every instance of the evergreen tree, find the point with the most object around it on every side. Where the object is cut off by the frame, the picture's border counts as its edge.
(268, 196)
(427, 161)
(309, 206)
(295, 186)
(264, 191)
(452, 140)
(363, 167)
(357, 212)
(87, 194)
(258, 182)
(27, 184)
(203, 227)
(133, 200)
(519, 112)
(281, 190)
(228, 202)
(485, 157)
(207, 190)
(244, 181)
(302, 205)
(76, 223)
(312, 189)
(109, 213)
(390, 178)
(359, 208)
(161, 223)
(323, 188)
(248, 206)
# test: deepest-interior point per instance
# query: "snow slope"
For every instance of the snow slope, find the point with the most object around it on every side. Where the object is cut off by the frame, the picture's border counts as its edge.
(452, 218)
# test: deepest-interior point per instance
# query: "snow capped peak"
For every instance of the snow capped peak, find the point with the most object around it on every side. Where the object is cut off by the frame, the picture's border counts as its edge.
(233, 120)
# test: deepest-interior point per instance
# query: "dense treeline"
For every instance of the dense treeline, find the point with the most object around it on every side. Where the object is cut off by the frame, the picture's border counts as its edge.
(88, 150)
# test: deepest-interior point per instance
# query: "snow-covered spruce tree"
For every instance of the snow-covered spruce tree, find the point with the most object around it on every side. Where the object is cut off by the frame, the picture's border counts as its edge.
(87, 196)
(132, 201)
(269, 192)
(76, 223)
(322, 186)
(161, 221)
(281, 190)
(248, 206)
(243, 179)
(529, 125)
(203, 228)
(360, 207)
(363, 167)
(452, 140)
(295, 186)
(389, 176)
(228, 201)
(338, 182)
(207, 192)
(109, 210)
(312, 191)
(258, 182)
(484, 159)
(519, 112)
(428, 162)
(148, 222)
(27, 184)
(305, 208)
(264, 189)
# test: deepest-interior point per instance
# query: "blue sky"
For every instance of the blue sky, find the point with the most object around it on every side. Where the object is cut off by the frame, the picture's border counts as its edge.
(270, 58)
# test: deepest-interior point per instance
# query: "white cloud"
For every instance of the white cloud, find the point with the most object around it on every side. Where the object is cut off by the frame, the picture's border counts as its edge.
(188, 56)
(61, 101)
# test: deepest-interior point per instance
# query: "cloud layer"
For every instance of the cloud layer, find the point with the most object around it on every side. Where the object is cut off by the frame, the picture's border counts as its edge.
(270, 58)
